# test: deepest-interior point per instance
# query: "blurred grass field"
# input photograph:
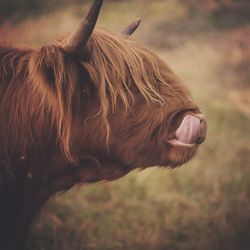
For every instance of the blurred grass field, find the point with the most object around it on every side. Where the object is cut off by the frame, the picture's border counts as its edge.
(204, 205)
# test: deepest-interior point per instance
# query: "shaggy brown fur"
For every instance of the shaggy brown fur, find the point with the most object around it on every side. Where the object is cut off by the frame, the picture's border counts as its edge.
(65, 120)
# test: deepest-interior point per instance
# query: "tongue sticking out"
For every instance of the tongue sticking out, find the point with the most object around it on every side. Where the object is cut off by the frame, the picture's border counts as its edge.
(189, 130)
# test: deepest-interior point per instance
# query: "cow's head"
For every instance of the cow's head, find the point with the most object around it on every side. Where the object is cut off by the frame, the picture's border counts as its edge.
(115, 101)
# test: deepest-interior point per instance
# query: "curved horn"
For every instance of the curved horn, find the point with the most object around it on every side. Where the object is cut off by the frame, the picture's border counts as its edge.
(79, 37)
(129, 30)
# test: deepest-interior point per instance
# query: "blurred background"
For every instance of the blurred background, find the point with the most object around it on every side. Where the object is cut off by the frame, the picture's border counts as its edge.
(202, 205)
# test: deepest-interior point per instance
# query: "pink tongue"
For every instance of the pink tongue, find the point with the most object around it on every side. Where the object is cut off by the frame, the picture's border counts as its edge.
(189, 130)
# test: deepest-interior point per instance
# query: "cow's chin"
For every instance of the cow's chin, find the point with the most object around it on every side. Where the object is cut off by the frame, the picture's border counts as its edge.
(180, 153)
(174, 155)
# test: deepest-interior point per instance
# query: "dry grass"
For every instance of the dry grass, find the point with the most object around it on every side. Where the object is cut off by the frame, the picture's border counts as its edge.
(203, 205)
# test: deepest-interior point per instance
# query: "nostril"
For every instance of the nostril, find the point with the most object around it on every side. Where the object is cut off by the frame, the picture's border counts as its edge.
(203, 131)
(201, 117)
(200, 140)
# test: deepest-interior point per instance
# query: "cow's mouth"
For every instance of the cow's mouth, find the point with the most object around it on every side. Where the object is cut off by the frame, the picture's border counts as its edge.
(188, 130)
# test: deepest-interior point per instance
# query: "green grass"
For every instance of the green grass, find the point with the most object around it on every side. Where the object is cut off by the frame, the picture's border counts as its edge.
(204, 205)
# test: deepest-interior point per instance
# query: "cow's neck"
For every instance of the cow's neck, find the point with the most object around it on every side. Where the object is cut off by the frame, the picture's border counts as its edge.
(23, 143)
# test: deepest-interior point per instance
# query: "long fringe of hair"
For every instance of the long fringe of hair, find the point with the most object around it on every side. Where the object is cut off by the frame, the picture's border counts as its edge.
(119, 65)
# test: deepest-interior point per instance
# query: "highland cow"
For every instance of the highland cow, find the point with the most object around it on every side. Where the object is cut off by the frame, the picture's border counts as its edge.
(92, 107)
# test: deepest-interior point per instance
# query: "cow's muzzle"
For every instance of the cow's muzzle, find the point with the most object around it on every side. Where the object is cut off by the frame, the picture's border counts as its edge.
(192, 131)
